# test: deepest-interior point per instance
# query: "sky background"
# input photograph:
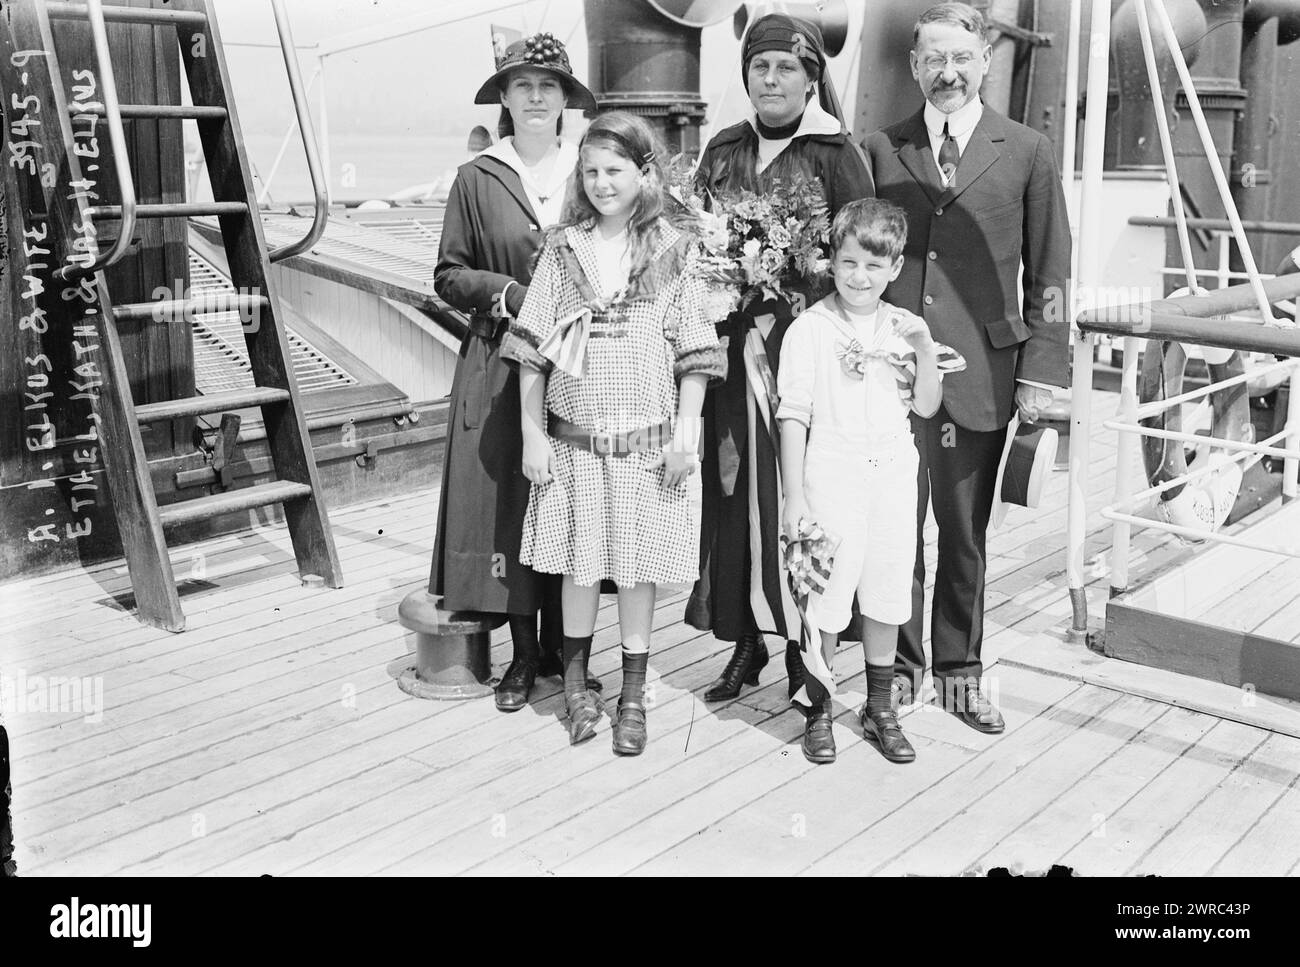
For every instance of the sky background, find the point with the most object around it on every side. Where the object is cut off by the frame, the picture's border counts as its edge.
(424, 84)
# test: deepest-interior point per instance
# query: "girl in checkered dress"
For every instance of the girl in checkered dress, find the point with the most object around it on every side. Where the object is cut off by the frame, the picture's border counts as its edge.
(614, 355)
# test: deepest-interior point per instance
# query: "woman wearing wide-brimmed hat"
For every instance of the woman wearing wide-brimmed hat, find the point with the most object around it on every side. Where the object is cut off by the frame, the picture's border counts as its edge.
(501, 202)
(797, 128)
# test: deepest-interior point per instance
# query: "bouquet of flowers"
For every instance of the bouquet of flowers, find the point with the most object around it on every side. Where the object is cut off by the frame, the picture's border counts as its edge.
(755, 243)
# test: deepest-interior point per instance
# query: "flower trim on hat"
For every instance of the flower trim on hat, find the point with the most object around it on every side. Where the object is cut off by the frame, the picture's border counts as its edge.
(544, 50)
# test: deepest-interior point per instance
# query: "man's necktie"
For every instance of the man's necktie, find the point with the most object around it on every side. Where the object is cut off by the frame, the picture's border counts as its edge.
(949, 156)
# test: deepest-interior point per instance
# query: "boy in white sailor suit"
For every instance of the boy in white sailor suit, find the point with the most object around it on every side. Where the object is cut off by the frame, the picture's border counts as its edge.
(852, 368)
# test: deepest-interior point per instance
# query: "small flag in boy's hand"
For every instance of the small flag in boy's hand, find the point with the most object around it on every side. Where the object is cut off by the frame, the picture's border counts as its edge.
(808, 560)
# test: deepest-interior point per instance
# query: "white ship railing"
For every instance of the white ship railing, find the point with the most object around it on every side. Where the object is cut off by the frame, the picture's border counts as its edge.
(1183, 320)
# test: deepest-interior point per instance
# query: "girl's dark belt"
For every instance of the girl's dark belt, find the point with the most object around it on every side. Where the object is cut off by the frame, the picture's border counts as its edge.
(609, 444)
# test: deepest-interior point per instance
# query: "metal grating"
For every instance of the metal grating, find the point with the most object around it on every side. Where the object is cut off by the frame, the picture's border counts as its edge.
(221, 357)
(423, 230)
(406, 247)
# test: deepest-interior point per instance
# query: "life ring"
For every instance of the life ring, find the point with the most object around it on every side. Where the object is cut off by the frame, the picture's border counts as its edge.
(1205, 503)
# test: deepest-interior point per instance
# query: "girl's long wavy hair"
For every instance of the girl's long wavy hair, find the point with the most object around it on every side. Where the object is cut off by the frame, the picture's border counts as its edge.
(629, 137)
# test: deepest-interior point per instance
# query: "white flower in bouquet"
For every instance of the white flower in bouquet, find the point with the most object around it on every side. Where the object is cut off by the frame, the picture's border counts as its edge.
(720, 300)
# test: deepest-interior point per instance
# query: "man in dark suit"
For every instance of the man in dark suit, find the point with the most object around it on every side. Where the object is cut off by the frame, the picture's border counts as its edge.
(983, 200)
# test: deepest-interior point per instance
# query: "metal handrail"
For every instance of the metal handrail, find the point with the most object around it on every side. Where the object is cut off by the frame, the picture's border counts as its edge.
(1216, 224)
(321, 212)
(1187, 319)
(117, 138)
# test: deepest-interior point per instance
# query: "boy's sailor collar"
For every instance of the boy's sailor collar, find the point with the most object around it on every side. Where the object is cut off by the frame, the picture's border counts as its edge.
(853, 325)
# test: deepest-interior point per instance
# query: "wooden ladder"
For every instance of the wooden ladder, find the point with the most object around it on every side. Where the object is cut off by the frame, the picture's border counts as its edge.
(140, 520)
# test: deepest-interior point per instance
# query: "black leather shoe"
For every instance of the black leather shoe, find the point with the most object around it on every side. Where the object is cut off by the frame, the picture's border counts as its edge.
(818, 740)
(747, 660)
(583, 716)
(630, 729)
(883, 729)
(516, 683)
(970, 705)
(794, 670)
(900, 692)
(551, 666)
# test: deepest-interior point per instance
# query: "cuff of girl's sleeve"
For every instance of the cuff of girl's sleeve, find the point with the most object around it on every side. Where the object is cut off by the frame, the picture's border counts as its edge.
(710, 361)
(789, 410)
(518, 346)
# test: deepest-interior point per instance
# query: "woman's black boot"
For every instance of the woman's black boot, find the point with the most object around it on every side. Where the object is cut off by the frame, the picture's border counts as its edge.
(747, 660)
(630, 726)
(794, 667)
(517, 682)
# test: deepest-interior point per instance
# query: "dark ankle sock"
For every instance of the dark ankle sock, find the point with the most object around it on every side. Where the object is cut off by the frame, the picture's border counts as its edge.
(523, 632)
(576, 653)
(634, 668)
(880, 679)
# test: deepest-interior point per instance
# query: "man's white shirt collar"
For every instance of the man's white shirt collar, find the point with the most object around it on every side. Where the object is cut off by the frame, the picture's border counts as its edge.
(961, 122)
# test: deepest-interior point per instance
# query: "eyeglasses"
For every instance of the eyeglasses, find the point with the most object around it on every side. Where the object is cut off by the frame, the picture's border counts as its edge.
(937, 62)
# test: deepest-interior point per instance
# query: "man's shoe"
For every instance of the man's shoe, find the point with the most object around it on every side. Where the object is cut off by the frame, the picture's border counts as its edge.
(900, 692)
(747, 660)
(516, 683)
(818, 739)
(974, 709)
(883, 729)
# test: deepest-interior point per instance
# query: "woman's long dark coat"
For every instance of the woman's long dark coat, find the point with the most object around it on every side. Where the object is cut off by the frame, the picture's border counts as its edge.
(720, 599)
(489, 237)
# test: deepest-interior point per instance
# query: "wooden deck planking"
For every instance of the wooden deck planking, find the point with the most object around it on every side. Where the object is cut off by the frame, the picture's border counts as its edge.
(482, 745)
(938, 803)
(1135, 828)
(241, 723)
(1232, 808)
(490, 783)
(1270, 847)
(1036, 844)
(781, 829)
(390, 705)
(989, 814)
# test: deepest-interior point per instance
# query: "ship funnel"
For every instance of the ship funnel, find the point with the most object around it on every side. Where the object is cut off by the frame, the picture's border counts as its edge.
(695, 13)
(830, 16)
(644, 58)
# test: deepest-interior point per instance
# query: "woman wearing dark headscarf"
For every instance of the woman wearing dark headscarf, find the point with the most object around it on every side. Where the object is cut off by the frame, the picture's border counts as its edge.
(498, 207)
(742, 593)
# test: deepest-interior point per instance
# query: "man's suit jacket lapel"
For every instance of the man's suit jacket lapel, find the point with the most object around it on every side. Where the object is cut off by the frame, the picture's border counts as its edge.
(915, 155)
(981, 152)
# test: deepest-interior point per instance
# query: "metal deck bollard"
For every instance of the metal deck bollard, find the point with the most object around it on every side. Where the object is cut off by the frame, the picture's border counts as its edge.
(452, 649)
